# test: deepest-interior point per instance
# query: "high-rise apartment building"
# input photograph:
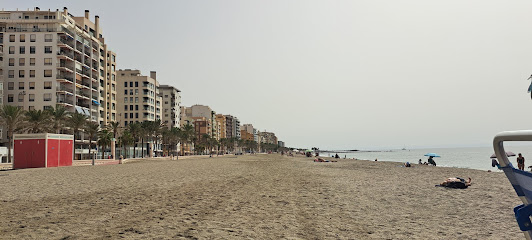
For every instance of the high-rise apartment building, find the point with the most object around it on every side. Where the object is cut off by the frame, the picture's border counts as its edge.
(138, 97)
(54, 58)
(171, 106)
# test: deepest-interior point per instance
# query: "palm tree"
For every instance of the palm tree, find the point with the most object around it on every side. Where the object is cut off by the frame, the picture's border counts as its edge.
(187, 134)
(144, 133)
(38, 121)
(104, 139)
(135, 131)
(157, 127)
(126, 139)
(76, 122)
(59, 116)
(91, 129)
(12, 118)
(113, 127)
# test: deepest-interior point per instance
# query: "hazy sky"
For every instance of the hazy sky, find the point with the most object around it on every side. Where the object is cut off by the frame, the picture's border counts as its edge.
(335, 74)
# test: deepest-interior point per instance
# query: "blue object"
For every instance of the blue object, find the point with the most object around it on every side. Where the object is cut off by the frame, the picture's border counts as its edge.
(95, 102)
(432, 155)
(522, 215)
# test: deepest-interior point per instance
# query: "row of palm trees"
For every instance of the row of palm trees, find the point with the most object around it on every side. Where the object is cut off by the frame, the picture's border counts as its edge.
(59, 120)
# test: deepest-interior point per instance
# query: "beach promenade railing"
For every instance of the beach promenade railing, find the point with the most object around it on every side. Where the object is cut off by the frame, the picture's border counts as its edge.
(521, 180)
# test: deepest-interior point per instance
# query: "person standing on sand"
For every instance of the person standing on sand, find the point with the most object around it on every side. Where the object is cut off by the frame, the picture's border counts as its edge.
(521, 162)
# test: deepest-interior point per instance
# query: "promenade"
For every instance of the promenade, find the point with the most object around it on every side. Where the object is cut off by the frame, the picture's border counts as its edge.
(254, 197)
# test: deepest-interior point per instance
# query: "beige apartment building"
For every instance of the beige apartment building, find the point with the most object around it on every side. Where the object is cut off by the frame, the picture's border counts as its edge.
(171, 106)
(138, 97)
(53, 58)
(221, 120)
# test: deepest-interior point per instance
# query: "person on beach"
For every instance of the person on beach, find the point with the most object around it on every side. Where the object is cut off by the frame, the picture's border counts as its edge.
(336, 156)
(407, 164)
(420, 162)
(521, 162)
(456, 182)
(431, 161)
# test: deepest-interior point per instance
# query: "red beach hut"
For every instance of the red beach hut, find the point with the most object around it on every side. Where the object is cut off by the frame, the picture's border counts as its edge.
(42, 150)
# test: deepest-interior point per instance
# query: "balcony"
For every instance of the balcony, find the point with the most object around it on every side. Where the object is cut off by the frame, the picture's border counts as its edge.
(63, 78)
(64, 67)
(21, 29)
(82, 95)
(64, 101)
(65, 55)
(65, 44)
(65, 90)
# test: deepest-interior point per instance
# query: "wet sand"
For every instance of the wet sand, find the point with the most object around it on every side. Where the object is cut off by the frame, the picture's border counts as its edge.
(254, 197)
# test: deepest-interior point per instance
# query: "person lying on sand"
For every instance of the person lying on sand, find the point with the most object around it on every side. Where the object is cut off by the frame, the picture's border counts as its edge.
(456, 183)
(322, 160)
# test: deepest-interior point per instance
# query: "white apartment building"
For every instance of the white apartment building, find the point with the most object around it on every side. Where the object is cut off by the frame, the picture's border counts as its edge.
(171, 105)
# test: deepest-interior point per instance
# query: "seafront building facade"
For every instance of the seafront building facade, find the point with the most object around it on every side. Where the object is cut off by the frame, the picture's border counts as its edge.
(171, 105)
(138, 97)
(53, 58)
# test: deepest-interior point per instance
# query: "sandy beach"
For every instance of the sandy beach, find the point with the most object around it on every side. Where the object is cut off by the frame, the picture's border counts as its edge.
(254, 197)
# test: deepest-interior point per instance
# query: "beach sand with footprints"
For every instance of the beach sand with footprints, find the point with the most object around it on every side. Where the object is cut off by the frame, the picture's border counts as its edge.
(254, 197)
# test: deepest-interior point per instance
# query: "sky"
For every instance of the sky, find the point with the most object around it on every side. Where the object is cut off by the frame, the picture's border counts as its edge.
(375, 74)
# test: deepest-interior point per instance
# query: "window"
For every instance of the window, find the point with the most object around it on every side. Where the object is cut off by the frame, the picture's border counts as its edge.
(136, 84)
(165, 96)
(46, 107)
(136, 115)
(48, 73)
(47, 85)
(130, 115)
(32, 37)
(47, 61)
(125, 92)
(31, 97)
(130, 84)
(12, 38)
(130, 91)
(21, 61)
(47, 97)
(125, 100)
(20, 97)
(125, 84)
(10, 98)
(131, 99)
(10, 85)
(11, 49)
(22, 49)
(136, 92)
(137, 107)
(32, 85)
(48, 37)
(11, 62)
(32, 73)
(22, 37)
(47, 49)
(125, 116)
(32, 61)
(113, 87)
(21, 86)
(130, 107)
(11, 73)
(32, 49)
(20, 73)
(31, 108)
(125, 107)
(165, 102)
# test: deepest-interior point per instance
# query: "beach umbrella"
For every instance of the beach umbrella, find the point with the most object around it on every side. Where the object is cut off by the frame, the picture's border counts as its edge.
(431, 155)
(308, 150)
(508, 154)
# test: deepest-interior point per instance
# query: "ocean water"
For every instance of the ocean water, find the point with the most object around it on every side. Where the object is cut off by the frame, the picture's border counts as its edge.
(474, 158)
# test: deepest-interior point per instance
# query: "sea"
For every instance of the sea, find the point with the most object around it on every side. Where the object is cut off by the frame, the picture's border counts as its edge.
(464, 157)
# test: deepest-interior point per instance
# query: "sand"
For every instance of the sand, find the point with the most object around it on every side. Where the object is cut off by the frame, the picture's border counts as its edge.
(254, 197)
